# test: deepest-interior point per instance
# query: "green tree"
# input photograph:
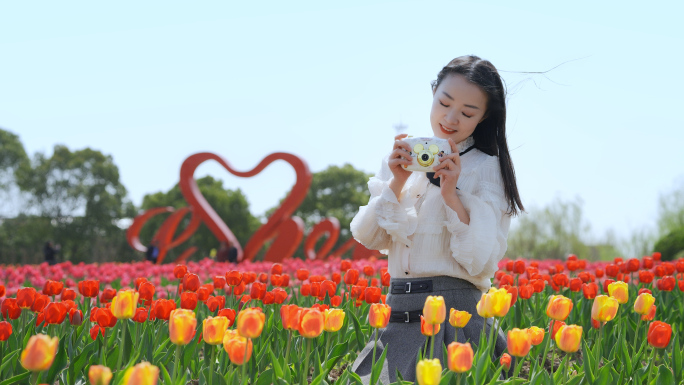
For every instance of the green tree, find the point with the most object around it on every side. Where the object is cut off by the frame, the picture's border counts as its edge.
(231, 206)
(671, 224)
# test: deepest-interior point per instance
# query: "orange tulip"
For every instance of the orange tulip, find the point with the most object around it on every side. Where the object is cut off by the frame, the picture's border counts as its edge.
(650, 315)
(162, 308)
(659, 334)
(99, 375)
(428, 329)
(146, 291)
(536, 335)
(620, 291)
(143, 373)
(234, 345)
(213, 329)
(643, 303)
(604, 308)
(559, 307)
(379, 315)
(188, 300)
(182, 324)
(434, 309)
(39, 353)
(25, 297)
(519, 342)
(459, 318)
(334, 318)
(568, 338)
(5, 330)
(506, 360)
(289, 315)
(233, 278)
(311, 322)
(250, 322)
(494, 303)
(459, 357)
(351, 277)
(124, 304)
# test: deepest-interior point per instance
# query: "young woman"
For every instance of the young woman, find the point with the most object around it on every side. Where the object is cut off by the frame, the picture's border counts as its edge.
(444, 233)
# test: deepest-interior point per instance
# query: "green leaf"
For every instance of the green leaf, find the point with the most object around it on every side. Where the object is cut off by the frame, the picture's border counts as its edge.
(589, 362)
(59, 363)
(665, 376)
(377, 367)
(676, 359)
(266, 377)
(8, 359)
(16, 378)
(603, 377)
(483, 363)
(357, 330)
(446, 378)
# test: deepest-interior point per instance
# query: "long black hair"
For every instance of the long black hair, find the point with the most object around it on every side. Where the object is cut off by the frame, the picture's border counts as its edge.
(490, 134)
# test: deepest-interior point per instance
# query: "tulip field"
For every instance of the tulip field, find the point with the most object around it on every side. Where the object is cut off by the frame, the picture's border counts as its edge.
(301, 322)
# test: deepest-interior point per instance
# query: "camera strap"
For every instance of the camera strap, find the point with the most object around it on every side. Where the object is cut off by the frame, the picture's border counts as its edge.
(431, 175)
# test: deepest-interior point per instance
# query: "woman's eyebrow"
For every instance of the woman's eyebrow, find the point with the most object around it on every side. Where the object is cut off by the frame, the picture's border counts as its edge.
(467, 105)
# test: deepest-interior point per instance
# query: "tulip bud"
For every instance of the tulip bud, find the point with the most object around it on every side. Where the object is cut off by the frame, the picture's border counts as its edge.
(250, 322)
(568, 338)
(536, 335)
(234, 345)
(429, 372)
(182, 324)
(143, 373)
(39, 353)
(311, 323)
(505, 361)
(434, 309)
(99, 375)
(124, 304)
(494, 303)
(559, 307)
(213, 329)
(428, 329)
(604, 308)
(459, 357)
(334, 318)
(459, 318)
(620, 291)
(659, 334)
(643, 303)
(519, 342)
(379, 315)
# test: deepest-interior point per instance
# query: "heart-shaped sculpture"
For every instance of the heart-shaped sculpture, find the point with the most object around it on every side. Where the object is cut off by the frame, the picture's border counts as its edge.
(279, 224)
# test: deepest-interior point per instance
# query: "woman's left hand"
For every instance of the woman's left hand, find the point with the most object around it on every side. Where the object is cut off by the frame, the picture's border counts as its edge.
(448, 170)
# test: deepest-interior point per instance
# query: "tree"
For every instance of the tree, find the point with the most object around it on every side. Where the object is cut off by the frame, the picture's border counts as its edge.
(231, 206)
(671, 224)
(12, 158)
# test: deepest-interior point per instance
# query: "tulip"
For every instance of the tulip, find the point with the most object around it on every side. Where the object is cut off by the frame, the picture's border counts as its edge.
(124, 304)
(351, 277)
(9, 308)
(334, 318)
(505, 361)
(188, 300)
(143, 373)
(280, 295)
(568, 338)
(643, 303)
(429, 372)
(99, 375)
(250, 322)
(234, 278)
(146, 291)
(459, 357)
(434, 309)
(345, 265)
(229, 314)
(213, 329)
(536, 335)
(141, 315)
(96, 329)
(52, 288)
(372, 294)
(162, 309)
(311, 322)
(495, 303)
(666, 283)
(75, 317)
(459, 318)
(182, 324)
(39, 353)
(659, 334)
(559, 307)
(604, 308)
(191, 282)
(25, 297)
(55, 313)
(5, 330)
(40, 302)
(235, 345)
(519, 342)
(525, 291)
(68, 295)
(428, 329)
(302, 274)
(204, 292)
(89, 288)
(650, 315)
(379, 315)
(590, 290)
(620, 291)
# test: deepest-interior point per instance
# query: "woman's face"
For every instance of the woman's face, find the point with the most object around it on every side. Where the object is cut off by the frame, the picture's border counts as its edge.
(458, 106)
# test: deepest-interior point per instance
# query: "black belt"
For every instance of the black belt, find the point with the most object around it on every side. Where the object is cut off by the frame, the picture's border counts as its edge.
(405, 316)
(424, 286)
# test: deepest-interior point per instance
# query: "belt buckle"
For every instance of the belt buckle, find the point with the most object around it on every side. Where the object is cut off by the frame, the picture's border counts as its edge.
(407, 287)
(406, 320)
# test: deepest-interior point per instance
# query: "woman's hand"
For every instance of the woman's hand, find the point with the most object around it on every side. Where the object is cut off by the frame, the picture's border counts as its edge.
(448, 170)
(399, 157)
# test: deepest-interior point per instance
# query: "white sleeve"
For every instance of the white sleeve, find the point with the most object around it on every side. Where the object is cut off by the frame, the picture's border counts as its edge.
(384, 220)
(483, 241)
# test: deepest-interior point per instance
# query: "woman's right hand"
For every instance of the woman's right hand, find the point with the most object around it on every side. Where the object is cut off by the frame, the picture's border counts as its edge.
(399, 158)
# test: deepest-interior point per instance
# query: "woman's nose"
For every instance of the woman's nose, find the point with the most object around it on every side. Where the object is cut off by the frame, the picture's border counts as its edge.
(452, 117)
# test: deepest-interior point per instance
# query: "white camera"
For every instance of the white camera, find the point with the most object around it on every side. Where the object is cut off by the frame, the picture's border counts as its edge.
(426, 152)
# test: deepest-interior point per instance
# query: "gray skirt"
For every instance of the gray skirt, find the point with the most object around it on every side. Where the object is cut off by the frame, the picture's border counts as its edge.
(404, 340)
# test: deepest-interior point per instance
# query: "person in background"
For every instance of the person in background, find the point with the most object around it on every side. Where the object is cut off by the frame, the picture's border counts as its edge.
(50, 251)
(152, 252)
(227, 253)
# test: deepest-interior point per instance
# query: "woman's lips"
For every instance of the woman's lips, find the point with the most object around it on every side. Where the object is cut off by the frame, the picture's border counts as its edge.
(445, 130)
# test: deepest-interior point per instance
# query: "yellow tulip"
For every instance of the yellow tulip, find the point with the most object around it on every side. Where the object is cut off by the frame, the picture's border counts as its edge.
(494, 303)
(334, 318)
(99, 375)
(536, 335)
(519, 342)
(39, 353)
(604, 308)
(459, 318)
(213, 329)
(568, 338)
(559, 307)
(459, 357)
(620, 291)
(124, 304)
(143, 373)
(429, 372)
(182, 324)
(434, 310)
(643, 303)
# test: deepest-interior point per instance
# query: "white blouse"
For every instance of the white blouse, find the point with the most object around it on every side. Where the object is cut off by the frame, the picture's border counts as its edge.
(423, 236)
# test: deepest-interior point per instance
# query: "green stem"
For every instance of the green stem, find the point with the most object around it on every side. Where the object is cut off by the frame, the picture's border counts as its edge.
(636, 334)
(374, 346)
(549, 336)
(518, 367)
(651, 365)
(565, 372)
(327, 343)
(305, 374)
(34, 378)
(424, 349)
(287, 350)
(123, 344)
(458, 378)
(553, 359)
(600, 346)
(211, 363)
(176, 364)
(491, 344)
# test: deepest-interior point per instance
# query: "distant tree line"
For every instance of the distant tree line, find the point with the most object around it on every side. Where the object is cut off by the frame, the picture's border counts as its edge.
(76, 199)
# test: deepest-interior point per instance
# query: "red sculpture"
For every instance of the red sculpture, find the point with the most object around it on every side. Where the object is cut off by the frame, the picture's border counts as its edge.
(286, 231)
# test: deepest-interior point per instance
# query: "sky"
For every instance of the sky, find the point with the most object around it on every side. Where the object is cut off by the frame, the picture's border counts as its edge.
(153, 82)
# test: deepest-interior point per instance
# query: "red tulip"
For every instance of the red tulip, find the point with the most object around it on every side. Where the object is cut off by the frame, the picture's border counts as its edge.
(305, 290)
(146, 291)
(105, 318)
(666, 283)
(52, 288)
(89, 288)
(204, 292)
(5, 330)
(351, 277)
(659, 334)
(96, 329)
(179, 271)
(280, 295)
(75, 317)
(646, 276)
(219, 282)
(336, 277)
(107, 295)
(191, 282)
(345, 265)
(188, 300)
(575, 284)
(302, 274)
(141, 314)
(228, 313)
(372, 294)
(162, 309)
(590, 290)
(55, 313)
(39, 303)
(327, 287)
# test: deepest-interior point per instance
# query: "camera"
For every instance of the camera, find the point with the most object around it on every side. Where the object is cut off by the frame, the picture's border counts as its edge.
(425, 153)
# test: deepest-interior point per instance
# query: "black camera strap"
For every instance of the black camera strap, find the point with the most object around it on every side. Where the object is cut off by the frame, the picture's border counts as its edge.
(431, 175)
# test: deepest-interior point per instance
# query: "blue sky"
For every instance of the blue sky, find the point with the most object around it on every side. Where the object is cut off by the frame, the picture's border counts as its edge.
(153, 82)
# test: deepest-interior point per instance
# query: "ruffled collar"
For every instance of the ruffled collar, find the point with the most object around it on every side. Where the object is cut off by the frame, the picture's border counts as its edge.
(467, 142)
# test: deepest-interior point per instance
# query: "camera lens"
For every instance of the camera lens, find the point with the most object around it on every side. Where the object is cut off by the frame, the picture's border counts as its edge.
(425, 157)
